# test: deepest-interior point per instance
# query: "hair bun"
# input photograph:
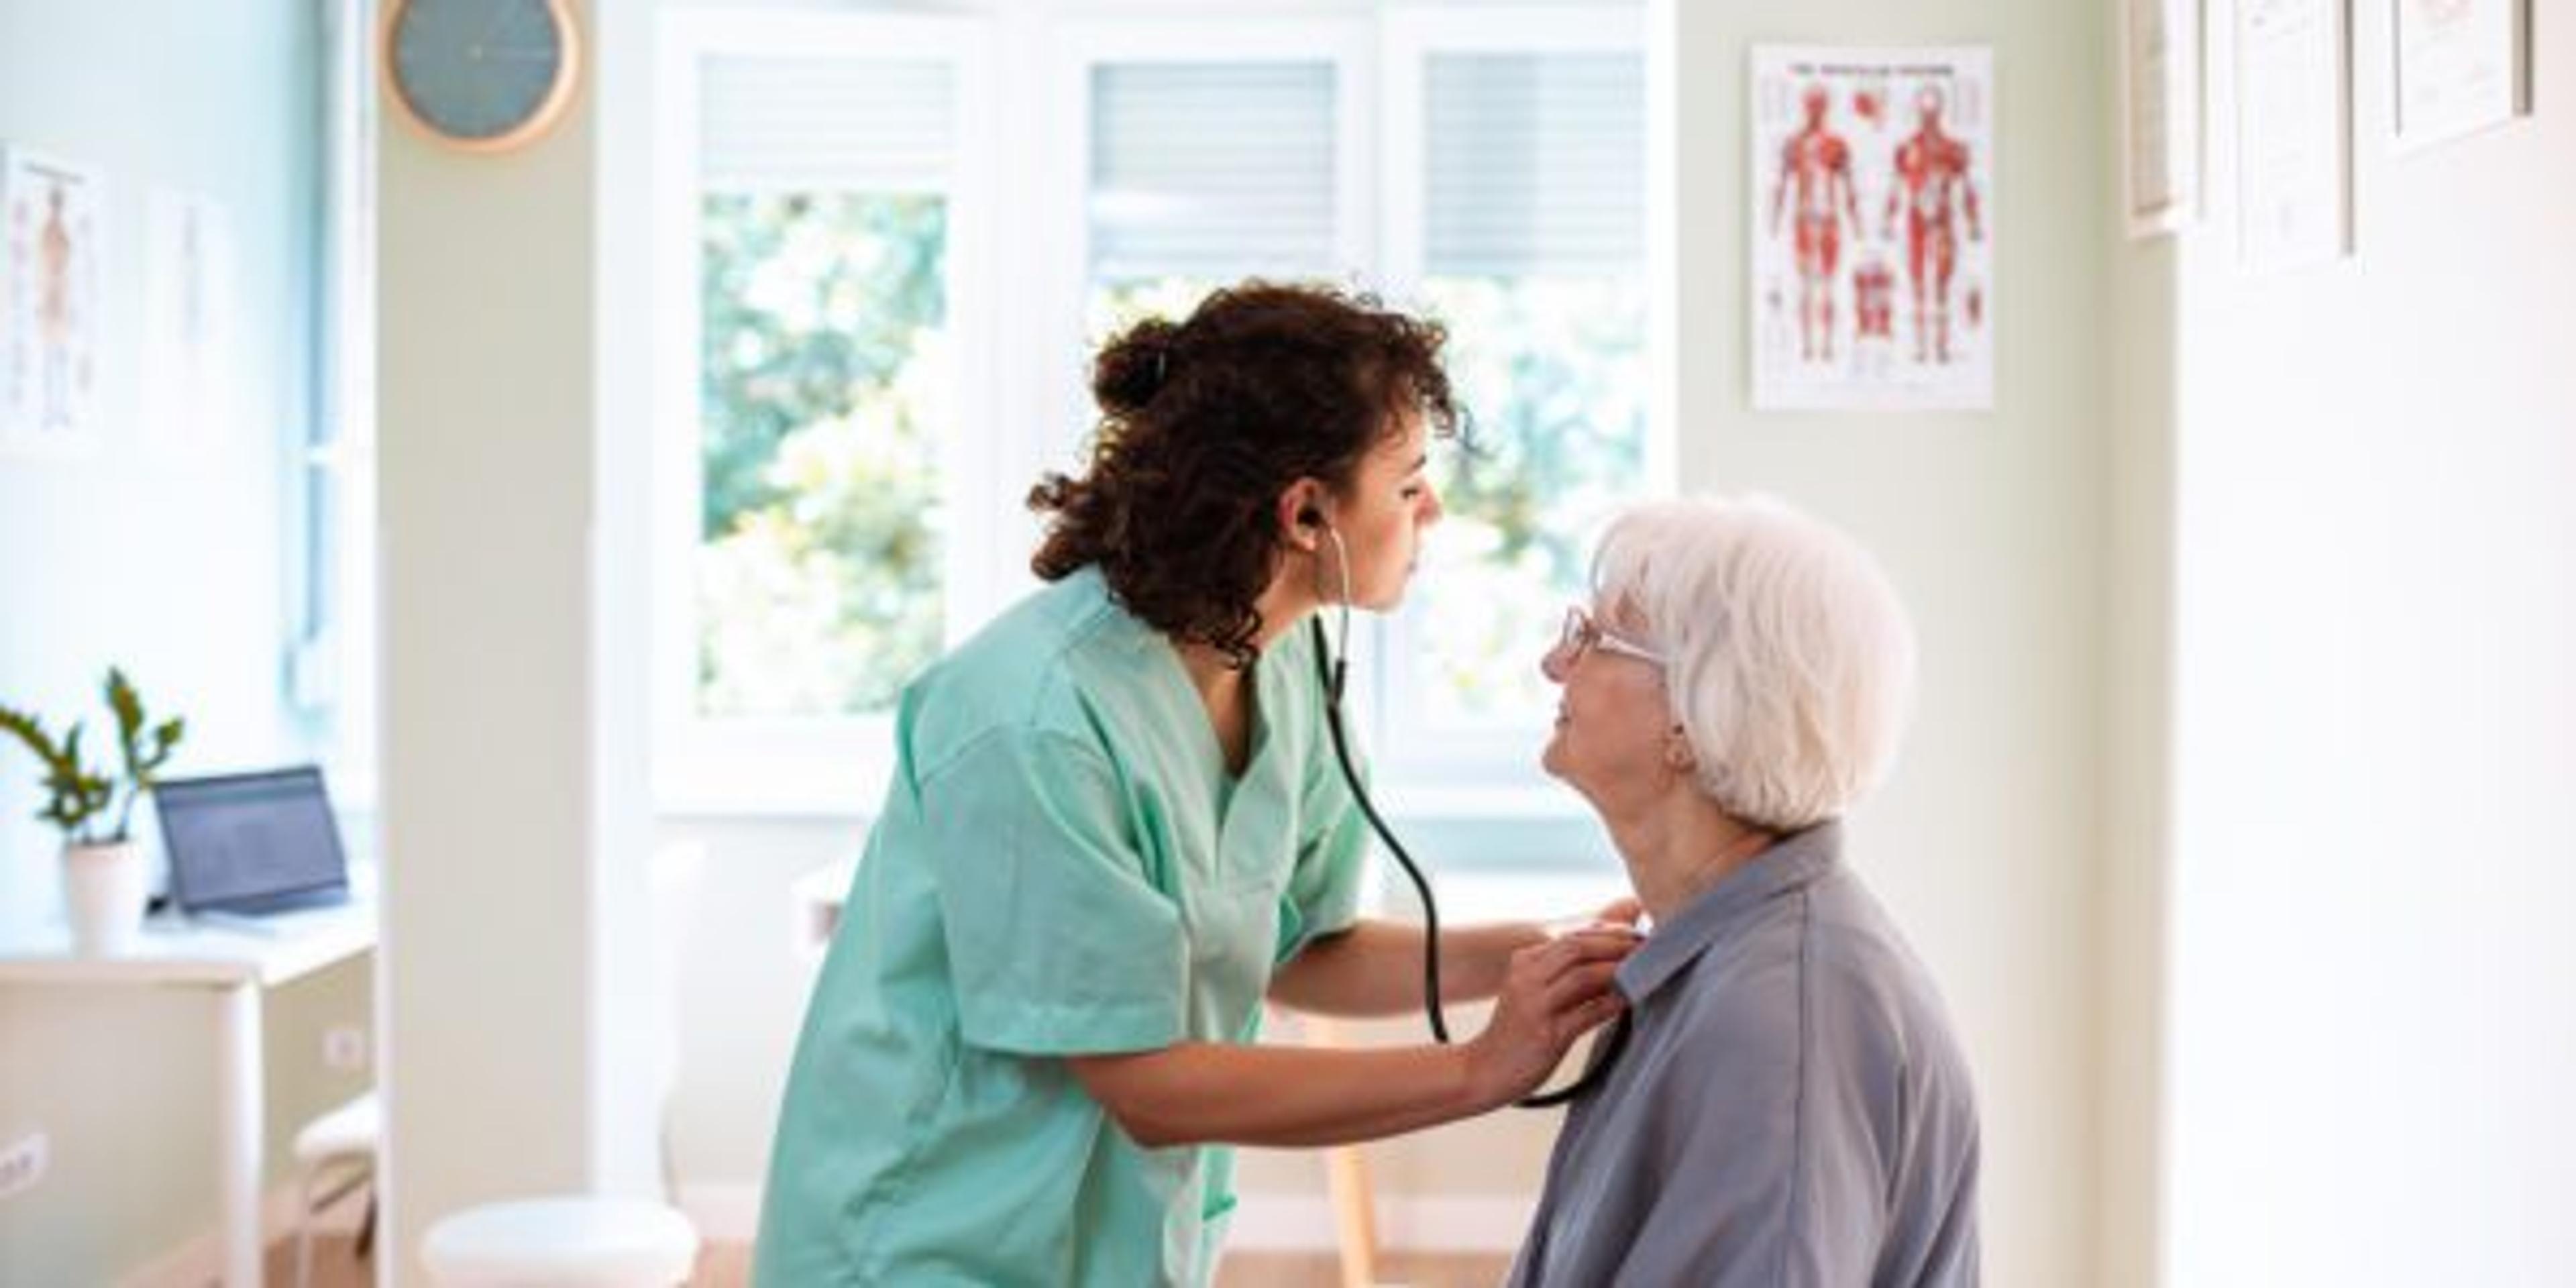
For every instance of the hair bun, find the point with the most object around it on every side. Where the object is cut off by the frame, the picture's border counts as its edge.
(1133, 368)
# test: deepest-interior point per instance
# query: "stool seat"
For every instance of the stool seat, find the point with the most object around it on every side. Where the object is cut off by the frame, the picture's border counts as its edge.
(590, 1241)
(353, 1128)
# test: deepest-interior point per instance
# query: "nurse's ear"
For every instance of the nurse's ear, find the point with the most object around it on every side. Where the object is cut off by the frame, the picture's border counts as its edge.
(1301, 514)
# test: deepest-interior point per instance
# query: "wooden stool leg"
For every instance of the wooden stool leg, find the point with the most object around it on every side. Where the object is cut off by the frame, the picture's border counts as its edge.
(1354, 1215)
(1346, 1180)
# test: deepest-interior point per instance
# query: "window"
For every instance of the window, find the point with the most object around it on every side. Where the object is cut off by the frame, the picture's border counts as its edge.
(819, 432)
(1202, 173)
(1516, 174)
(1209, 152)
(331, 663)
(851, 397)
(827, 374)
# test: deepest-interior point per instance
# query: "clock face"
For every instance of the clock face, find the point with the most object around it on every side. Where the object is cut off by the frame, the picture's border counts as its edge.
(480, 71)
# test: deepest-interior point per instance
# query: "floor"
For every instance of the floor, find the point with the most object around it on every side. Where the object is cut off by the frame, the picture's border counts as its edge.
(728, 1265)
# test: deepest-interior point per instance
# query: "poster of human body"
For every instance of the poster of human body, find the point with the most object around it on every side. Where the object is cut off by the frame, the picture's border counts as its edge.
(188, 398)
(50, 287)
(1872, 228)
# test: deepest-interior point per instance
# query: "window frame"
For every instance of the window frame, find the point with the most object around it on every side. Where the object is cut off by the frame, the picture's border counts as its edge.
(1080, 44)
(1031, 412)
(1488, 772)
(331, 666)
(827, 765)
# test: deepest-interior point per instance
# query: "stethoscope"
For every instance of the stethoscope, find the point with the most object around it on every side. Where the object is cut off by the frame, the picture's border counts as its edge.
(1331, 669)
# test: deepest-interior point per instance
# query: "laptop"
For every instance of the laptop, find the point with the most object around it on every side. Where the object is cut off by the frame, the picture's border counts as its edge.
(251, 843)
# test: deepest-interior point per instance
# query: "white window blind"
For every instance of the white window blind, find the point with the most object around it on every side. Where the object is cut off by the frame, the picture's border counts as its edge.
(779, 124)
(1536, 163)
(1211, 170)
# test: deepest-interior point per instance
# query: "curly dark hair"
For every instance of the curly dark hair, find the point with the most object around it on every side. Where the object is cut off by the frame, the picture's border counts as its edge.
(1204, 423)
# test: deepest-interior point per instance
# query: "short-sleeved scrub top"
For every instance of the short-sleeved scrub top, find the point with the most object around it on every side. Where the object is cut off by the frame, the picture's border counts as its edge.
(1063, 866)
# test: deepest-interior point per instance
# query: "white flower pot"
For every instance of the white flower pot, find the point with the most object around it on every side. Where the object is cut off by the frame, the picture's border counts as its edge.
(104, 887)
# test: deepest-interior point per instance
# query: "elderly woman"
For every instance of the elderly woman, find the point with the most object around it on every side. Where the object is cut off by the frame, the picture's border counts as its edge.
(1790, 1106)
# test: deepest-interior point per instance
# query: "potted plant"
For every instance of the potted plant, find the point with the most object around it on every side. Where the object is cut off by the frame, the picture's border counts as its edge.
(105, 877)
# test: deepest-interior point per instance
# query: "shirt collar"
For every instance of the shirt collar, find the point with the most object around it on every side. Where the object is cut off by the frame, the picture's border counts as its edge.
(1793, 862)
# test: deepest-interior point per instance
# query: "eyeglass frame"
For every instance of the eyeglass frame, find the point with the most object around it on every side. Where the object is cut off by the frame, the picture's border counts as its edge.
(1584, 633)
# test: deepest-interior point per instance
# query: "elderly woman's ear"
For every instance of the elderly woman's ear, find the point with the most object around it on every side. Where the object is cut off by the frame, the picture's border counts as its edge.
(1678, 755)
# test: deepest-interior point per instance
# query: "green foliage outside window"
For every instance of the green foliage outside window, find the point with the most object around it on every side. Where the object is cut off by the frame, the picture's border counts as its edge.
(826, 369)
(1553, 371)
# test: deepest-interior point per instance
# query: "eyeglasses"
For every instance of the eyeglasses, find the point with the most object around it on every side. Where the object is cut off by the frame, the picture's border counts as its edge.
(1582, 635)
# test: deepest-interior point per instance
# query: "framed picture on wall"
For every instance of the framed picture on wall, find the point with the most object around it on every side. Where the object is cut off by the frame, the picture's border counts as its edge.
(52, 240)
(2461, 66)
(2160, 78)
(191, 326)
(2293, 133)
(1872, 228)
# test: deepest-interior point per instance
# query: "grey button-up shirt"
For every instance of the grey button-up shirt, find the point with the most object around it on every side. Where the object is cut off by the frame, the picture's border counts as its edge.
(1791, 1109)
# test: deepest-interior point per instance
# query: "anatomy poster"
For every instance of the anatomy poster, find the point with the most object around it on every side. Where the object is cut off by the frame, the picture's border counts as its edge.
(189, 323)
(50, 287)
(1872, 228)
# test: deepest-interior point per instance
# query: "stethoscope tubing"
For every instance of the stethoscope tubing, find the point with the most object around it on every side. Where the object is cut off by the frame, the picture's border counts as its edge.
(1330, 671)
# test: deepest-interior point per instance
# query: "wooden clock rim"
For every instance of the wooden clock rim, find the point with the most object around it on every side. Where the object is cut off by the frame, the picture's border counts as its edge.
(558, 96)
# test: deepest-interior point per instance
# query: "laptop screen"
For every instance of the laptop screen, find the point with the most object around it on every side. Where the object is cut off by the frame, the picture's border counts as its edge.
(251, 842)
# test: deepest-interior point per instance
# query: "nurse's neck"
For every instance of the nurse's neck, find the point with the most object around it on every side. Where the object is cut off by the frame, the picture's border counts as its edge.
(1214, 675)
(1211, 672)
(1220, 684)
(1226, 698)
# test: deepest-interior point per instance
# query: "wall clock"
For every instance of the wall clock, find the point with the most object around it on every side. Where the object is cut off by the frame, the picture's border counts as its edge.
(481, 75)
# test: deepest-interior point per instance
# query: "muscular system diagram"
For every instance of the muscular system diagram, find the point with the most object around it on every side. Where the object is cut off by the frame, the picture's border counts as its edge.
(1872, 262)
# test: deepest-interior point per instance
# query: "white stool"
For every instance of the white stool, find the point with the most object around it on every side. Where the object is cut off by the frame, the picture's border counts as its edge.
(581, 1240)
(570, 1242)
(345, 1137)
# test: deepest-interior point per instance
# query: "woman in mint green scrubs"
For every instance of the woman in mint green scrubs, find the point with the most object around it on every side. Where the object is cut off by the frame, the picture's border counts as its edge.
(1115, 828)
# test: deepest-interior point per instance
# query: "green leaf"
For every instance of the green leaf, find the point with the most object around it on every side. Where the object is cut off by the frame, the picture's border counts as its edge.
(121, 699)
(27, 729)
(78, 794)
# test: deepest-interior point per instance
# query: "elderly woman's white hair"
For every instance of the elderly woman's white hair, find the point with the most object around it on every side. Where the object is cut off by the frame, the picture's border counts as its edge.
(1791, 663)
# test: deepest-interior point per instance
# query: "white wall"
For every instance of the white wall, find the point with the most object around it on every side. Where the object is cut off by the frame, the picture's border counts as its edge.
(2130, 1087)
(2373, 1001)
(514, 823)
(173, 566)
(1985, 843)
(169, 562)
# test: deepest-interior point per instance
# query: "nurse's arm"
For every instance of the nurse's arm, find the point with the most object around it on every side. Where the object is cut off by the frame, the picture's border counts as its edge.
(1375, 967)
(1202, 1092)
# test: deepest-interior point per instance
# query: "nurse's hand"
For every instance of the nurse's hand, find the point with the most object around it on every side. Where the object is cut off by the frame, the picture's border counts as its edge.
(1623, 913)
(1553, 993)
(1626, 910)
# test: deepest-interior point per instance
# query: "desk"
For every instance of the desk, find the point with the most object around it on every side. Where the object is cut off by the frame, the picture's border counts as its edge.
(237, 966)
